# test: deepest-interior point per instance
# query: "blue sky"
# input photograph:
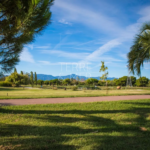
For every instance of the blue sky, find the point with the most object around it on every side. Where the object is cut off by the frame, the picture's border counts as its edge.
(84, 33)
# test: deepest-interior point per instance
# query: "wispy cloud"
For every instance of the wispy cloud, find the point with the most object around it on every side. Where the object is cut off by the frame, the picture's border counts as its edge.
(26, 56)
(63, 21)
(88, 17)
(97, 54)
(145, 13)
(43, 47)
(63, 63)
(68, 55)
(45, 62)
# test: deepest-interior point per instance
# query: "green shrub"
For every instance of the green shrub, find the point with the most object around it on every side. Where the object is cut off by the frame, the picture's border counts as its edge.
(54, 88)
(5, 84)
(75, 88)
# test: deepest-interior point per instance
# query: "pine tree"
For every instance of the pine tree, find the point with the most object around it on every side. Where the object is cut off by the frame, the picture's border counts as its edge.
(35, 79)
(31, 78)
(21, 72)
(20, 22)
(15, 70)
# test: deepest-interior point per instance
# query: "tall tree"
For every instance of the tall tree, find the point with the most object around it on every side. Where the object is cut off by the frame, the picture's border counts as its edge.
(31, 78)
(35, 78)
(20, 22)
(15, 70)
(104, 76)
(21, 72)
(140, 50)
(103, 69)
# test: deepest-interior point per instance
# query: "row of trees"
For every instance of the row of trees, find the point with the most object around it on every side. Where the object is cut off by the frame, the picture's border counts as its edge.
(142, 81)
(22, 78)
(30, 78)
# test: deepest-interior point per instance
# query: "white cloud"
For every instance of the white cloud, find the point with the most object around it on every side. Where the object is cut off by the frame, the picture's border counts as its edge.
(145, 13)
(98, 21)
(63, 21)
(123, 55)
(26, 56)
(42, 47)
(97, 54)
(45, 62)
(65, 54)
(77, 64)
(88, 17)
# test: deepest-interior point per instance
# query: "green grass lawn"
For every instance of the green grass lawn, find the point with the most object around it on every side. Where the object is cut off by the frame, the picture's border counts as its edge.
(48, 93)
(123, 125)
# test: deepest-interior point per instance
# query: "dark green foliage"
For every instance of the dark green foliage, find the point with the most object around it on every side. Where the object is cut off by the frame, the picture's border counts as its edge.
(46, 82)
(142, 81)
(80, 83)
(21, 72)
(140, 50)
(123, 80)
(40, 82)
(35, 78)
(31, 78)
(74, 82)
(133, 79)
(92, 81)
(17, 79)
(55, 82)
(66, 82)
(101, 83)
(20, 22)
(5, 84)
(74, 88)
(15, 70)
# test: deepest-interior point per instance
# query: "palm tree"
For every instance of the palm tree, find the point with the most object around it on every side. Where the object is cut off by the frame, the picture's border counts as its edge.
(140, 50)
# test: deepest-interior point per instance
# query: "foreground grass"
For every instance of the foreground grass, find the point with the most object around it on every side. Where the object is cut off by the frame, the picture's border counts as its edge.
(18, 93)
(88, 126)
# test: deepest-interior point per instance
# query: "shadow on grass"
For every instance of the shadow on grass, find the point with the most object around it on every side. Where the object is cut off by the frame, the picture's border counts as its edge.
(101, 133)
(11, 89)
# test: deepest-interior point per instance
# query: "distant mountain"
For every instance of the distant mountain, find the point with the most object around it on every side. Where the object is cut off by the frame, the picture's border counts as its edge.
(74, 76)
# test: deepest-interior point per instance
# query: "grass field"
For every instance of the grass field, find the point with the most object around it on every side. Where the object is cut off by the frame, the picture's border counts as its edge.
(48, 93)
(123, 125)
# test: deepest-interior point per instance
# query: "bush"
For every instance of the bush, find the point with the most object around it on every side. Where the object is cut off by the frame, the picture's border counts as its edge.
(16, 84)
(142, 81)
(54, 88)
(75, 88)
(5, 84)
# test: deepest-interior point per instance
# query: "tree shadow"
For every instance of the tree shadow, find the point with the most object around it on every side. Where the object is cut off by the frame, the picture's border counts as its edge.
(10, 89)
(97, 132)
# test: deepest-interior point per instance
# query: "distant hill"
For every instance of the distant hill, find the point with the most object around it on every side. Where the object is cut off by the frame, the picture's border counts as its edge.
(74, 76)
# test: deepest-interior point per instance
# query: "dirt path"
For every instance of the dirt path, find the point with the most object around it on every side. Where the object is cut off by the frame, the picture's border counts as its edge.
(71, 100)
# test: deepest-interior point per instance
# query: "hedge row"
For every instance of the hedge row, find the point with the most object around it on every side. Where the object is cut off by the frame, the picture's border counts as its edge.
(5, 84)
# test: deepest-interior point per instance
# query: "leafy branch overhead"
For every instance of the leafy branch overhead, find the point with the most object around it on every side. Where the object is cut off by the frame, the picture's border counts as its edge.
(140, 50)
(20, 22)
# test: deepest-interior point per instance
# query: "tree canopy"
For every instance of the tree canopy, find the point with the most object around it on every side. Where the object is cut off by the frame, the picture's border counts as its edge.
(140, 50)
(20, 22)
